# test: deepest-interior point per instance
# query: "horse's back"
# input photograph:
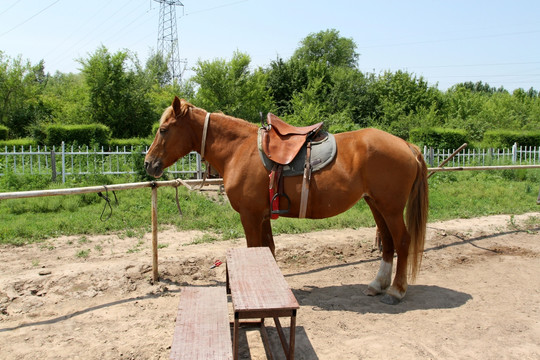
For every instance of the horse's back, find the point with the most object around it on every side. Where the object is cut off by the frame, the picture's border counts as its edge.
(385, 165)
(374, 145)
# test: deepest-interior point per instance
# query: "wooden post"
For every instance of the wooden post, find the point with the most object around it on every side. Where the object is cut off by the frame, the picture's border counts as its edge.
(448, 158)
(155, 273)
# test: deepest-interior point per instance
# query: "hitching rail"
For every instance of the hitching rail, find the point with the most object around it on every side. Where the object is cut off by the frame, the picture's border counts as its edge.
(115, 187)
(175, 183)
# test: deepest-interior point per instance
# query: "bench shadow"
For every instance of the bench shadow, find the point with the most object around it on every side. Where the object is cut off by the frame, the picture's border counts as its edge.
(253, 347)
(352, 298)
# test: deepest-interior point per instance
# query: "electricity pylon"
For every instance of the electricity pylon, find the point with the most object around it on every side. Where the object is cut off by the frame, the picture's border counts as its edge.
(167, 42)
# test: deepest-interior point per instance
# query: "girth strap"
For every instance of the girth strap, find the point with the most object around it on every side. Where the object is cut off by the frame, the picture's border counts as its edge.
(305, 183)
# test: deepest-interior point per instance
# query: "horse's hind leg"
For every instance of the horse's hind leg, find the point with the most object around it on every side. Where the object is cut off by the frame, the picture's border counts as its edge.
(402, 240)
(384, 275)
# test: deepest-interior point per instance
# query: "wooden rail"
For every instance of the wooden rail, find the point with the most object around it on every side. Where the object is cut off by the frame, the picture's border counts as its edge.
(115, 187)
(192, 183)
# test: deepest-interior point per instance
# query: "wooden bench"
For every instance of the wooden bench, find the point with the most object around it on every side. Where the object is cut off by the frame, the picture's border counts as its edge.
(258, 291)
(202, 328)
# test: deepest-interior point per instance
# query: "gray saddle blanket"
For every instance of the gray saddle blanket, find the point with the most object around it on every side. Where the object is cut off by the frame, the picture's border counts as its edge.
(322, 153)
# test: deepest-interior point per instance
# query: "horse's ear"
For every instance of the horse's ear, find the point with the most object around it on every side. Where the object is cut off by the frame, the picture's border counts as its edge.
(177, 106)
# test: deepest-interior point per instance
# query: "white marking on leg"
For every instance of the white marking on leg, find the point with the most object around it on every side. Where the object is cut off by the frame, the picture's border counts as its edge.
(383, 278)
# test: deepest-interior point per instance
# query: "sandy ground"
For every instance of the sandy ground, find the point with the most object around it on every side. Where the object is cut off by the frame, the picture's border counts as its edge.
(477, 295)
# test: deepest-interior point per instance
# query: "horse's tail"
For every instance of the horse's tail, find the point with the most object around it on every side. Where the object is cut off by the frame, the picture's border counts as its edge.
(417, 214)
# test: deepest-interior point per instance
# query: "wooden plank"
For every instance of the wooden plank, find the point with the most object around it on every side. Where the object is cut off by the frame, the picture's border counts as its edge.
(202, 328)
(256, 283)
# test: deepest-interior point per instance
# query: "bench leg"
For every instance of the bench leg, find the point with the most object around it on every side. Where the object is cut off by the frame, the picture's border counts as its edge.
(292, 330)
(235, 335)
(287, 348)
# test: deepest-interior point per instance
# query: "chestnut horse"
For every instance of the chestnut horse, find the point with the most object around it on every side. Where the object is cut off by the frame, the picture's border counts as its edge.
(386, 171)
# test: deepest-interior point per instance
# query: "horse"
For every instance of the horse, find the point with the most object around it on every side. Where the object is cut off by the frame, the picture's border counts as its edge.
(389, 173)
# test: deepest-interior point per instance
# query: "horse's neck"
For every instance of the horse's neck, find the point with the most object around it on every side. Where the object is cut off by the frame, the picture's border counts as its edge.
(225, 135)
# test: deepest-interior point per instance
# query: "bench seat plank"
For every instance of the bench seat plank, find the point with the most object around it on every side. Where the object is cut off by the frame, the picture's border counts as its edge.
(256, 282)
(202, 328)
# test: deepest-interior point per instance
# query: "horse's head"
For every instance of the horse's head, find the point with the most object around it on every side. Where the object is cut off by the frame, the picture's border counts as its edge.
(173, 139)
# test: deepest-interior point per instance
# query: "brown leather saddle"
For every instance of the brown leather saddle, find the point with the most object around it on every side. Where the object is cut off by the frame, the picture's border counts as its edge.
(281, 142)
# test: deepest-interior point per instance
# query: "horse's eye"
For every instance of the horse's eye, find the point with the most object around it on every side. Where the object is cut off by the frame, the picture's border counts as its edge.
(162, 131)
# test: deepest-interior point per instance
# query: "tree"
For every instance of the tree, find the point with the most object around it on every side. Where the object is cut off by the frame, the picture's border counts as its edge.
(284, 80)
(230, 87)
(118, 93)
(21, 83)
(328, 48)
(158, 70)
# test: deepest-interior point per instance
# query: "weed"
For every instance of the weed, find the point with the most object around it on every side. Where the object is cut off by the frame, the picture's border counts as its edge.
(83, 254)
(83, 240)
(204, 239)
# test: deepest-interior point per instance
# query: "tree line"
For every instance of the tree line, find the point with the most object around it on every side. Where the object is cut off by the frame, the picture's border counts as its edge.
(321, 81)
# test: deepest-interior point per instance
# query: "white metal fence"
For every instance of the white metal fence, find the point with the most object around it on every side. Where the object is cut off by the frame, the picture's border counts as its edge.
(69, 160)
(517, 155)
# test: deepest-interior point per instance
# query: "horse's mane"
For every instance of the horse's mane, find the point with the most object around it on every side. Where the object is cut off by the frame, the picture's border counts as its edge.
(185, 107)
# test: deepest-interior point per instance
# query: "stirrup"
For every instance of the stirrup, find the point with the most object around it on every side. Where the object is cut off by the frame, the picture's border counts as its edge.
(281, 212)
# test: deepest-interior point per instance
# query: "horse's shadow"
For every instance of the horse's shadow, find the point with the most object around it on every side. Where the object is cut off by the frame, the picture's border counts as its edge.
(352, 298)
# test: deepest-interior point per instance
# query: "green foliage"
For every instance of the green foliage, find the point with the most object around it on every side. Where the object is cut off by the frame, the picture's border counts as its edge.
(319, 82)
(118, 90)
(230, 87)
(120, 143)
(327, 48)
(26, 142)
(21, 85)
(4, 132)
(81, 134)
(284, 80)
(507, 138)
(452, 195)
(438, 137)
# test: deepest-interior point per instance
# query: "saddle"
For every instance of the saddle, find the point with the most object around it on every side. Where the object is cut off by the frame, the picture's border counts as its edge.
(281, 143)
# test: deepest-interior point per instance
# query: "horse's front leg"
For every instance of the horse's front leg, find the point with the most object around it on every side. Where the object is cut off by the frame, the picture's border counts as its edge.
(258, 230)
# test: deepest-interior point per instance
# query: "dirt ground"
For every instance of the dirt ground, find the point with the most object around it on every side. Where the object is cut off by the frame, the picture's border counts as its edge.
(477, 295)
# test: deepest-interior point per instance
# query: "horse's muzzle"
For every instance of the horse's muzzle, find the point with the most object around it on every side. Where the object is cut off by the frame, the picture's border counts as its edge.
(153, 168)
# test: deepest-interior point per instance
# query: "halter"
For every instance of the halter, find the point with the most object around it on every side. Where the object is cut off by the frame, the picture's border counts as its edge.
(205, 130)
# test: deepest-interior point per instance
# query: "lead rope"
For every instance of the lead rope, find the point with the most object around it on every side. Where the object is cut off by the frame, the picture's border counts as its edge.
(107, 202)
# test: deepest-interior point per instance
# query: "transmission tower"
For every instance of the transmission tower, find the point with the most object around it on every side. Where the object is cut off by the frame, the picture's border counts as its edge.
(167, 43)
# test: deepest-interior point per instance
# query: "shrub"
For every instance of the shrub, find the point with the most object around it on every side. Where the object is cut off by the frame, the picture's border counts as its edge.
(438, 137)
(82, 134)
(113, 143)
(4, 132)
(26, 142)
(507, 138)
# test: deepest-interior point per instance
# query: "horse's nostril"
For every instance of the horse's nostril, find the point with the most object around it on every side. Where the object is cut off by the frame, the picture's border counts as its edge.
(146, 164)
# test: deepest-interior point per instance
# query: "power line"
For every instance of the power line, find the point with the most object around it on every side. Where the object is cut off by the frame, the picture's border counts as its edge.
(9, 7)
(216, 7)
(422, 42)
(27, 20)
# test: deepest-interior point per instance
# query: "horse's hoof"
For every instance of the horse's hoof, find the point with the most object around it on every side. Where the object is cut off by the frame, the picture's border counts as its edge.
(371, 291)
(390, 300)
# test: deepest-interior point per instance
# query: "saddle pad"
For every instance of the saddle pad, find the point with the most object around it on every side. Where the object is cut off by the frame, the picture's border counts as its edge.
(322, 153)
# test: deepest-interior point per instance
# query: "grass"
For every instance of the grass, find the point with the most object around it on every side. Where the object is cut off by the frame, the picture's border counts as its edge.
(452, 195)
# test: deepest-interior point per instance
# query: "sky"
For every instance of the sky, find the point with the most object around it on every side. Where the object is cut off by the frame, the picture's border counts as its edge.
(445, 42)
